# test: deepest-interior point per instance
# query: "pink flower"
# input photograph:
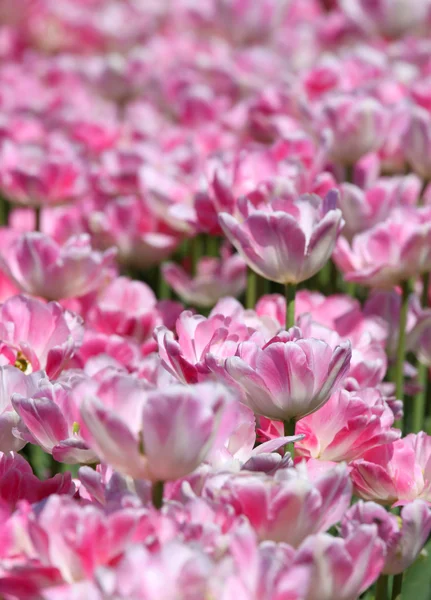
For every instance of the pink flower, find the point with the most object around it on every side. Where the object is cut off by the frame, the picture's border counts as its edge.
(37, 176)
(289, 377)
(43, 268)
(201, 340)
(393, 251)
(387, 17)
(125, 308)
(357, 124)
(138, 235)
(404, 537)
(340, 569)
(13, 381)
(147, 434)
(215, 278)
(50, 419)
(417, 140)
(36, 336)
(346, 426)
(17, 482)
(289, 506)
(362, 209)
(77, 539)
(395, 473)
(288, 244)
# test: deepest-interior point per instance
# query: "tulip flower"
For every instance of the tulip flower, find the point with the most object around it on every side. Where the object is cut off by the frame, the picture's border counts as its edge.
(215, 338)
(214, 279)
(404, 537)
(36, 336)
(357, 125)
(389, 253)
(395, 473)
(148, 435)
(13, 381)
(286, 245)
(387, 17)
(41, 267)
(287, 507)
(49, 418)
(340, 569)
(346, 426)
(126, 308)
(286, 241)
(290, 377)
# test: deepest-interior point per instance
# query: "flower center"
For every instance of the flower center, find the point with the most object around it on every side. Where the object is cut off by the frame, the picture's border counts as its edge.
(22, 363)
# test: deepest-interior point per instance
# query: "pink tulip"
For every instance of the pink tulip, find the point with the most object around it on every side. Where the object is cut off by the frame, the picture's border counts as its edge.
(289, 377)
(201, 339)
(393, 251)
(37, 176)
(340, 569)
(139, 237)
(36, 336)
(357, 125)
(404, 537)
(395, 473)
(362, 209)
(50, 419)
(289, 506)
(147, 436)
(13, 381)
(288, 244)
(125, 308)
(78, 539)
(178, 571)
(386, 17)
(348, 425)
(41, 267)
(417, 142)
(214, 279)
(17, 482)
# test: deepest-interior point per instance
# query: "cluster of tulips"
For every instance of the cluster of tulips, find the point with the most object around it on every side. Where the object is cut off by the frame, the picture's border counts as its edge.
(215, 320)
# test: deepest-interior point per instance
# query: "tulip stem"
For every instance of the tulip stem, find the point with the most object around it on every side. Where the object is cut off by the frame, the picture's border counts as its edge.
(289, 429)
(420, 399)
(212, 246)
(197, 252)
(396, 586)
(251, 293)
(399, 367)
(163, 287)
(38, 214)
(290, 290)
(382, 588)
(4, 211)
(157, 494)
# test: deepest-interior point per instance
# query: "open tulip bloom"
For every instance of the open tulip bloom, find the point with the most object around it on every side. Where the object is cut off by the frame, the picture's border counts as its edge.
(215, 299)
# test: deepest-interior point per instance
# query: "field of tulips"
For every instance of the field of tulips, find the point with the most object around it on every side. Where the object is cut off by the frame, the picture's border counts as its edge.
(215, 303)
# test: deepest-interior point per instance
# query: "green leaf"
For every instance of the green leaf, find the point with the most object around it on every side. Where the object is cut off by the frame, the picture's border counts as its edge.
(417, 578)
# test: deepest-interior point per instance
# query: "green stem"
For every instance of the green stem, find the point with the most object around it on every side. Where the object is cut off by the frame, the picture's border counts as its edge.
(399, 366)
(212, 245)
(382, 588)
(157, 494)
(38, 215)
(4, 211)
(251, 292)
(196, 252)
(289, 429)
(425, 287)
(419, 400)
(349, 173)
(397, 586)
(164, 291)
(290, 291)
(351, 288)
